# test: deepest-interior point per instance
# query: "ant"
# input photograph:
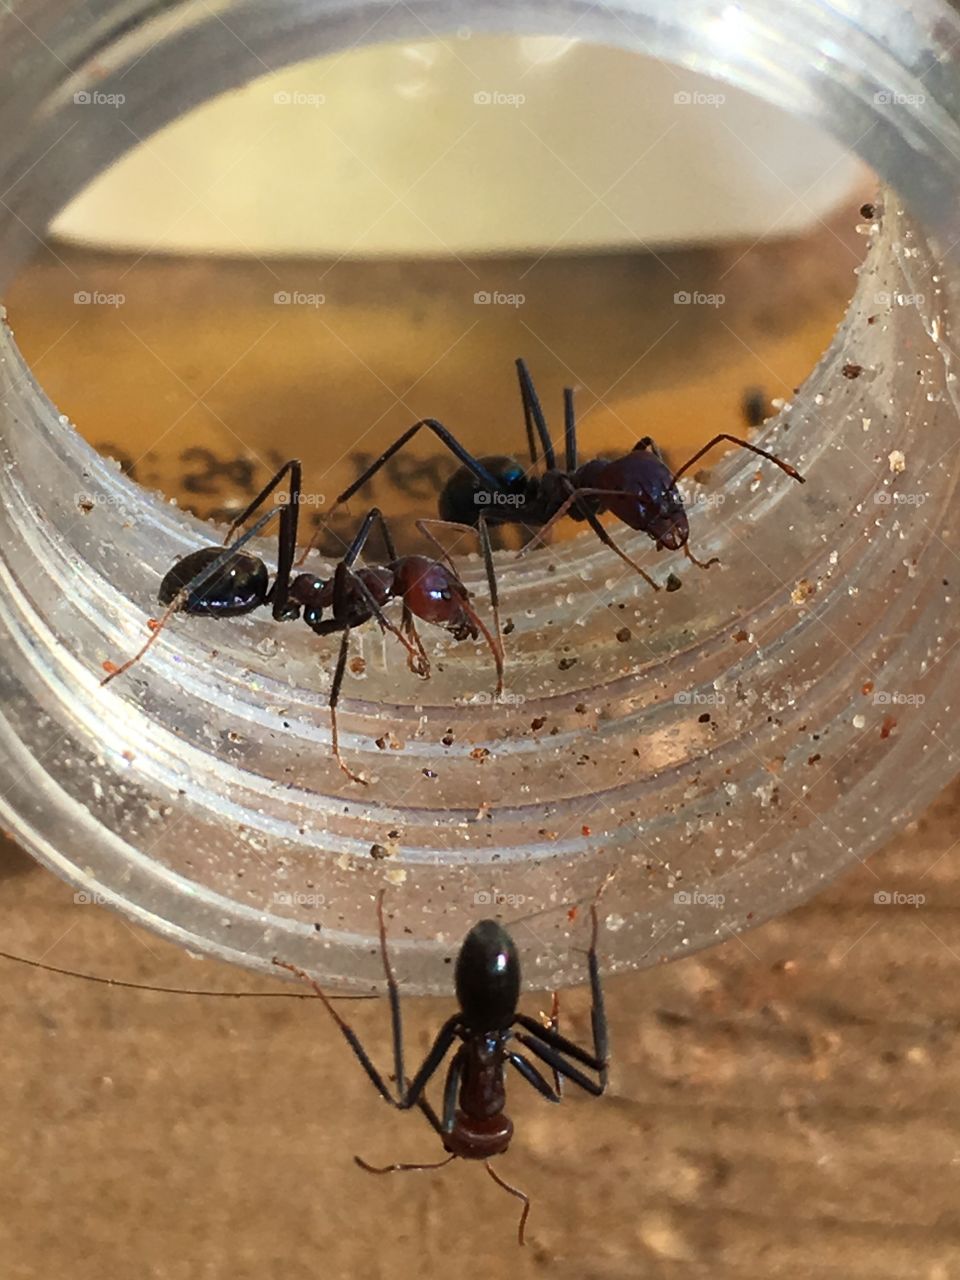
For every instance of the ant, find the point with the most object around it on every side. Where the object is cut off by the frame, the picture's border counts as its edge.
(223, 581)
(474, 1125)
(638, 488)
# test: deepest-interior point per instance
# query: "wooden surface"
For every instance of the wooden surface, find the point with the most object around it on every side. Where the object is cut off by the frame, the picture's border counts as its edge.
(784, 1105)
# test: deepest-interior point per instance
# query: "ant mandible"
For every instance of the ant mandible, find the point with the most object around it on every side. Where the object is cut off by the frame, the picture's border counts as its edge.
(638, 488)
(224, 581)
(473, 1124)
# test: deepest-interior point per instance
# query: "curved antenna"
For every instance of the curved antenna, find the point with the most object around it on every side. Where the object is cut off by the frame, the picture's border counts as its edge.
(401, 1167)
(170, 991)
(514, 1191)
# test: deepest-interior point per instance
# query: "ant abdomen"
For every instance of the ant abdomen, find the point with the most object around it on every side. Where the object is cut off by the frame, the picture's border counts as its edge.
(239, 586)
(464, 498)
(430, 589)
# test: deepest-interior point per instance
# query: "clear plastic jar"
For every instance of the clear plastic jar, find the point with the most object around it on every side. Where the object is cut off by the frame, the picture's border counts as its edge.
(749, 738)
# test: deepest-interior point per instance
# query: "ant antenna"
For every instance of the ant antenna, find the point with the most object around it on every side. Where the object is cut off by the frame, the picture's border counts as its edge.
(514, 1191)
(169, 991)
(195, 584)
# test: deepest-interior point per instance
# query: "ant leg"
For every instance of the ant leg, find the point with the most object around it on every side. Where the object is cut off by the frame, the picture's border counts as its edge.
(287, 537)
(417, 659)
(552, 1023)
(514, 1191)
(401, 1168)
(334, 699)
(177, 603)
(482, 530)
(341, 594)
(409, 1095)
(348, 1033)
(649, 443)
(533, 413)
(451, 1092)
(701, 564)
(533, 1076)
(594, 524)
(553, 1058)
(744, 444)
(569, 431)
(446, 438)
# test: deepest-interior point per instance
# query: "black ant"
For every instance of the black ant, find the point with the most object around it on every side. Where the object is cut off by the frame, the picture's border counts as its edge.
(638, 488)
(474, 1125)
(224, 581)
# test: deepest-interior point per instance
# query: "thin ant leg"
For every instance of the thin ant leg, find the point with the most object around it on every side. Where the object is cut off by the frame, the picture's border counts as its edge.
(534, 410)
(594, 524)
(401, 1168)
(482, 531)
(514, 1191)
(451, 1091)
(446, 437)
(744, 444)
(556, 1061)
(341, 594)
(287, 537)
(569, 431)
(418, 663)
(185, 592)
(346, 1030)
(533, 1076)
(701, 564)
(648, 442)
(333, 700)
(409, 1095)
(597, 1061)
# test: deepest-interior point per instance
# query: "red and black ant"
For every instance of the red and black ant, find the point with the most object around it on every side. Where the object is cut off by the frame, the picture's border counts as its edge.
(224, 581)
(473, 1124)
(639, 488)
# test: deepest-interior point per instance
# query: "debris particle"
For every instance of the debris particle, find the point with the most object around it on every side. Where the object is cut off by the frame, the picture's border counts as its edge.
(566, 663)
(538, 723)
(358, 666)
(802, 592)
(428, 773)
(479, 753)
(868, 210)
(741, 636)
(888, 726)
(378, 851)
(850, 370)
(672, 583)
(624, 634)
(867, 687)
(898, 461)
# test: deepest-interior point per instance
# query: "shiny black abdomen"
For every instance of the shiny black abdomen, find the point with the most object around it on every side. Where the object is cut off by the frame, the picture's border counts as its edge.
(240, 586)
(488, 977)
(464, 498)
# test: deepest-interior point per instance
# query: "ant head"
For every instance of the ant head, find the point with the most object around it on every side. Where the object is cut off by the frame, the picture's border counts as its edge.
(434, 593)
(239, 586)
(488, 977)
(464, 499)
(658, 508)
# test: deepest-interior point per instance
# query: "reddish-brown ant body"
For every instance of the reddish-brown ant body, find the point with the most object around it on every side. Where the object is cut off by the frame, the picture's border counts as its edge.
(225, 581)
(639, 488)
(473, 1124)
